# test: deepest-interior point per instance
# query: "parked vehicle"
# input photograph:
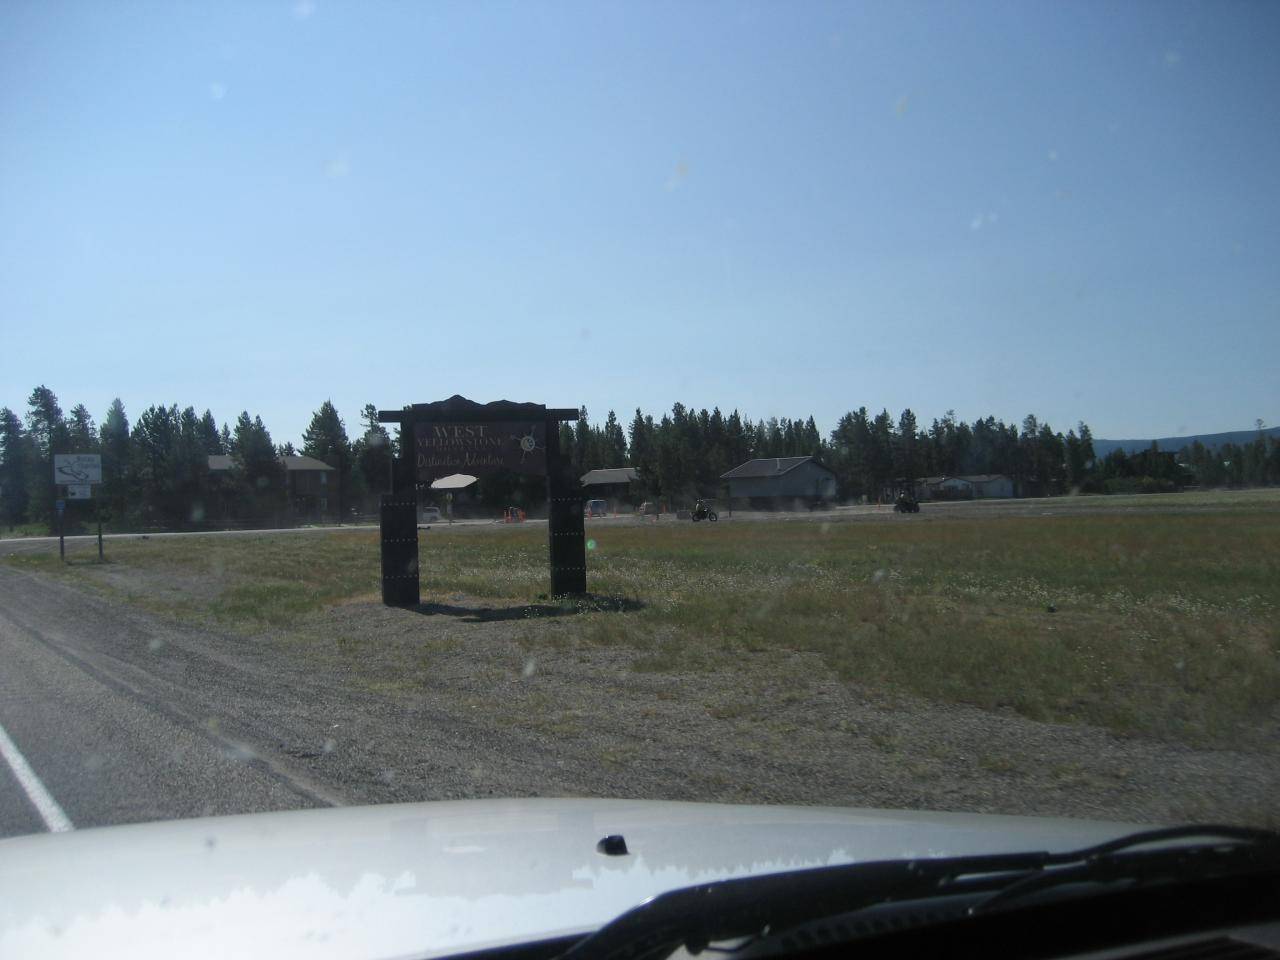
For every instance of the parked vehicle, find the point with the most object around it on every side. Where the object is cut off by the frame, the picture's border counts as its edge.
(596, 508)
(429, 515)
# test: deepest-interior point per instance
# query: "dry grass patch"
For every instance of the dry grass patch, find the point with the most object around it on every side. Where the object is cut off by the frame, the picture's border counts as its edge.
(1164, 622)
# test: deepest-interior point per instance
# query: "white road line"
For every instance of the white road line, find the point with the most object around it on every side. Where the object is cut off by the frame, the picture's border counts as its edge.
(40, 798)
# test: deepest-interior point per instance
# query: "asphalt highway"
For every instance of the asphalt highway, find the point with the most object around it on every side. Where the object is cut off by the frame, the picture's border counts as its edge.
(103, 722)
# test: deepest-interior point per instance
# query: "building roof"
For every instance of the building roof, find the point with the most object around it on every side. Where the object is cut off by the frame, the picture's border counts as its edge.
(610, 475)
(223, 462)
(967, 478)
(304, 463)
(767, 467)
(455, 481)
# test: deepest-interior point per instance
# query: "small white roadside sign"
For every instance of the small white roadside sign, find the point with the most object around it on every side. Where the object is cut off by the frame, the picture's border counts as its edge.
(79, 491)
(77, 468)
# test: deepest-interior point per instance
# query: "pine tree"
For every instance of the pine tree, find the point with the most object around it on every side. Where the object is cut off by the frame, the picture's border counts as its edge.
(643, 449)
(258, 471)
(210, 439)
(82, 436)
(326, 439)
(113, 439)
(673, 468)
(153, 471)
(580, 453)
(906, 463)
(717, 454)
(615, 442)
(880, 458)
(737, 444)
(1086, 444)
(15, 459)
(44, 422)
(1075, 459)
(191, 465)
(47, 433)
(1051, 450)
(372, 454)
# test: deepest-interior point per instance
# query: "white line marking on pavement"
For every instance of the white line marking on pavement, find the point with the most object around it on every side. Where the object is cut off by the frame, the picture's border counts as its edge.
(41, 799)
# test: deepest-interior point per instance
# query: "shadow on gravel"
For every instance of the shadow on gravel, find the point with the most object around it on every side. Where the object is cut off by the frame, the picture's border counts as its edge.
(590, 603)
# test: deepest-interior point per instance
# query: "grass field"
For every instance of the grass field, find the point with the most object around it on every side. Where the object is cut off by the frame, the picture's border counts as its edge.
(1164, 622)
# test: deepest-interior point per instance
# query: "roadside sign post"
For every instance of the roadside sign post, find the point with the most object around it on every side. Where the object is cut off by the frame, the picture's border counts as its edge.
(77, 473)
(77, 468)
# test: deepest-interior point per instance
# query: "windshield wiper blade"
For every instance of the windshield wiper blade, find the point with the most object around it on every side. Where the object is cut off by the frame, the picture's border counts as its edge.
(1226, 851)
(1163, 834)
(726, 909)
(752, 906)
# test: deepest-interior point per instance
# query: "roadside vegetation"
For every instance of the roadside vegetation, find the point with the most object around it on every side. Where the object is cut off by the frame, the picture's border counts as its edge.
(157, 474)
(1161, 623)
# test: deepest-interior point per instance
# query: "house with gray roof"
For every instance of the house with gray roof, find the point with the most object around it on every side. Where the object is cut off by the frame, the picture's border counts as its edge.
(311, 484)
(781, 479)
(977, 486)
(612, 484)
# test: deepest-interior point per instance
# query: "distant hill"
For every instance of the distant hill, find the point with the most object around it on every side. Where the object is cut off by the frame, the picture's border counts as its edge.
(1173, 444)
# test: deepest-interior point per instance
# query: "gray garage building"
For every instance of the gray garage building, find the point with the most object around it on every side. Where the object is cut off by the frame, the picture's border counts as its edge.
(978, 486)
(780, 479)
(610, 483)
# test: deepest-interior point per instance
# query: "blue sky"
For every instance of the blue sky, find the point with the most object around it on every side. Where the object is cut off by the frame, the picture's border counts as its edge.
(1069, 209)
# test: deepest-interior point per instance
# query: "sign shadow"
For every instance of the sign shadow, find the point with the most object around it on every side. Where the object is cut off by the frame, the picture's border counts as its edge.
(588, 603)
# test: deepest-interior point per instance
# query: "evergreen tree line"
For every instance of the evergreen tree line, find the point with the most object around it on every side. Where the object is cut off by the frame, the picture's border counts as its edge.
(156, 470)
(683, 455)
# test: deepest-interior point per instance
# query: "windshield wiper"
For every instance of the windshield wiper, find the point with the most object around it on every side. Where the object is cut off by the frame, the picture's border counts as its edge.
(1235, 849)
(758, 906)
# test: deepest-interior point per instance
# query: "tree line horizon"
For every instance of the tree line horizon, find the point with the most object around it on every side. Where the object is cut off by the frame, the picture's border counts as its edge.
(156, 471)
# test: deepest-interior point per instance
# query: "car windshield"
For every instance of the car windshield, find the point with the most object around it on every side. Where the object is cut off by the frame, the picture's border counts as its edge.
(853, 405)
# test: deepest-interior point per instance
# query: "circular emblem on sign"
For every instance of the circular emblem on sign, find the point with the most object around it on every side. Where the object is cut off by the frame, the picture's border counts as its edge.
(528, 443)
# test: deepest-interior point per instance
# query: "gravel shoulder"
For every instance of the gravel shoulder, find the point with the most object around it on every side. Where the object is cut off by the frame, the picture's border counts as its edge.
(565, 717)
(471, 698)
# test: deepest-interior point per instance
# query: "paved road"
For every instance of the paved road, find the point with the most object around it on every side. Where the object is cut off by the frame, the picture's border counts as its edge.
(12, 545)
(119, 726)
(940, 510)
(88, 542)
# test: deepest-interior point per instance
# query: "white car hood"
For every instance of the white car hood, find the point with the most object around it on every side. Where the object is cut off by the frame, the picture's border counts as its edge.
(432, 879)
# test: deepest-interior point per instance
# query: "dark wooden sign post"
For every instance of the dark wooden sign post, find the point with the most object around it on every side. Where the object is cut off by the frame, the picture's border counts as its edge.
(461, 436)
